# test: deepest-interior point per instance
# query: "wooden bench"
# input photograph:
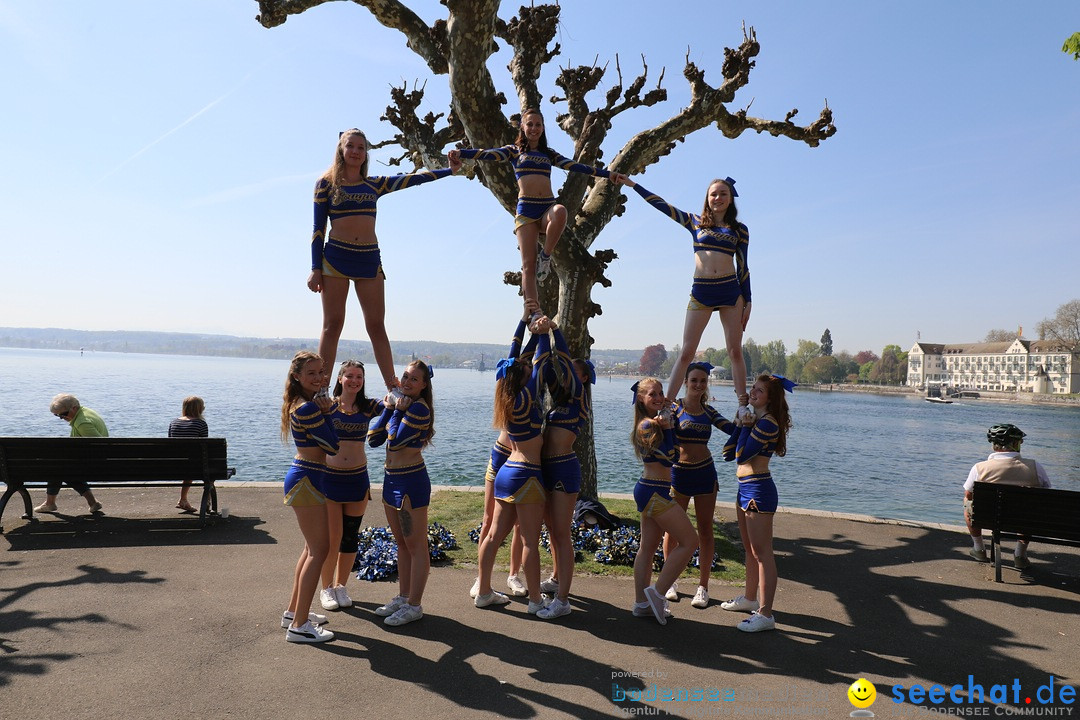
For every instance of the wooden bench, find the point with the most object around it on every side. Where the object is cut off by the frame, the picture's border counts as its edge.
(30, 462)
(1045, 515)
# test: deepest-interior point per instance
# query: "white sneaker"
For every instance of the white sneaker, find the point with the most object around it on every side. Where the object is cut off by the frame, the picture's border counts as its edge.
(657, 604)
(405, 614)
(313, 618)
(475, 589)
(740, 604)
(46, 507)
(517, 588)
(328, 599)
(673, 592)
(701, 598)
(308, 633)
(745, 413)
(757, 623)
(550, 586)
(342, 597)
(492, 598)
(391, 607)
(556, 608)
(543, 265)
(535, 607)
(643, 610)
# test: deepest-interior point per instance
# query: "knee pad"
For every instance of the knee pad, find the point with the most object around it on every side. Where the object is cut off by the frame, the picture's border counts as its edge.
(350, 528)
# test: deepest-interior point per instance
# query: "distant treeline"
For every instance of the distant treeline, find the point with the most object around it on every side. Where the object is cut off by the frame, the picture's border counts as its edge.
(163, 343)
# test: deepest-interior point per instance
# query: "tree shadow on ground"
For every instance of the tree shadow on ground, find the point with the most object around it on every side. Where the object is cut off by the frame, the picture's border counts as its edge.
(894, 614)
(64, 532)
(12, 660)
(563, 673)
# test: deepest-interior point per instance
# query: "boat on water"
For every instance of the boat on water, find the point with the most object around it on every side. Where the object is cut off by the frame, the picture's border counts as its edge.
(938, 400)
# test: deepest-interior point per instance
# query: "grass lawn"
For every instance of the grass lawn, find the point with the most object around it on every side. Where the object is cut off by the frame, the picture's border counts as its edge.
(460, 511)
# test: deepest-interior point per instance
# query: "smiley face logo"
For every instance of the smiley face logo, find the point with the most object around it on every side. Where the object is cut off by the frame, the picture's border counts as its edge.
(862, 693)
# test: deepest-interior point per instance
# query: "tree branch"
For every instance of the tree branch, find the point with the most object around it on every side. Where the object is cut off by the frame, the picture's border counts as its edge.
(427, 42)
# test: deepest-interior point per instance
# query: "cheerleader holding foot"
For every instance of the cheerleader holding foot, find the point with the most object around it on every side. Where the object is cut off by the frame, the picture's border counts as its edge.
(693, 476)
(756, 499)
(346, 483)
(538, 215)
(307, 417)
(407, 426)
(721, 280)
(654, 442)
(568, 382)
(518, 488)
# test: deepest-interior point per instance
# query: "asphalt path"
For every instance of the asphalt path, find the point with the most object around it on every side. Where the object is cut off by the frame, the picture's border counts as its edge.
(139, 613)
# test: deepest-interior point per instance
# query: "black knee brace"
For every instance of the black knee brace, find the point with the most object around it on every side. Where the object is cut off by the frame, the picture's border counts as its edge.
(350, 528)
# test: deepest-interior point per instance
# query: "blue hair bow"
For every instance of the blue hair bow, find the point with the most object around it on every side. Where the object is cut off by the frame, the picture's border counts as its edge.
(789, 385)
(633, 388)
(706, 366)
(430, 371)
(502, 366)
(592, 371)
(731, 184)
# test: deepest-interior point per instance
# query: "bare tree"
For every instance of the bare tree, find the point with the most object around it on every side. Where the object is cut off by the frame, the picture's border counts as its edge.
(459, 47)
(999, 335)
(1064, 327)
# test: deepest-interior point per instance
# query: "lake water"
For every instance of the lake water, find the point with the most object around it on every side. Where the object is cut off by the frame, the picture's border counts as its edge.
(893, 457)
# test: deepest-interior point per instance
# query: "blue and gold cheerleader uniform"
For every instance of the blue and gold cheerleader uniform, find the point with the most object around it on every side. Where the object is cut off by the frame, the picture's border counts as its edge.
(350, 484)
(399, 429)
(563, 472)
(653, 496)
(304, 480)
(689, 479)
(711, 293)
(501, 453)
(532, 162)
(518, 481)
(340, 258)
(757, 492)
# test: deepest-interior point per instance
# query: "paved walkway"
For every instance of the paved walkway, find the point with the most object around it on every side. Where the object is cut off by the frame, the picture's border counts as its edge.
(140, 614)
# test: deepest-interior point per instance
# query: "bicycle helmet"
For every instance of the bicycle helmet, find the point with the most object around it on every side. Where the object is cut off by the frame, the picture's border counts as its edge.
(1004, 435)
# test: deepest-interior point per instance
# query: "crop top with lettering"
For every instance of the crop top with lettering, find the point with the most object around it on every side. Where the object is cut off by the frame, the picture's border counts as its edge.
(353, 426)
(575, 412)
(310, 428)
(758, 440)
(532, 162)
(401, 429)
(696, 429)
(730, 241)
(663, 454)
(358, 199)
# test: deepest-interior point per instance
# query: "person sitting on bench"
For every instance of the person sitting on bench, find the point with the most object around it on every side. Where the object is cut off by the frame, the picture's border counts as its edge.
(84, 423)
(1003, 466)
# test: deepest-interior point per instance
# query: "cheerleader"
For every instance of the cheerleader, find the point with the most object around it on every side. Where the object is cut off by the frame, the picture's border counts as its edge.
(752, 447)
(518, 488)
(693, 476)
(345, 196)
(568, 382)
(407, 426)
(345, 482)
(721, 279)
(537, 212)
(654, 443)
(306, 417)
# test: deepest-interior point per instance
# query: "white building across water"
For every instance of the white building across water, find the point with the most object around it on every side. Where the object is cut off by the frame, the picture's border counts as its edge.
(1039, 366)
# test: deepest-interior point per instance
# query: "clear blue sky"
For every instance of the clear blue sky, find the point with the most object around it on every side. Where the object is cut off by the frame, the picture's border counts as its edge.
(157, 165)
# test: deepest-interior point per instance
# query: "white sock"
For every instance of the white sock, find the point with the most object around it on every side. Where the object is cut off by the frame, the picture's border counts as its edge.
(978, 543)
(1021, 549)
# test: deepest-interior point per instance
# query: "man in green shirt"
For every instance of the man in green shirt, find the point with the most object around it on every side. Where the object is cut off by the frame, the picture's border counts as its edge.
(84, 423)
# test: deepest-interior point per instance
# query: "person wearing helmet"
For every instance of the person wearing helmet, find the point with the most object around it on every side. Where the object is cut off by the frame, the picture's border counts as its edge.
(1003, 466)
